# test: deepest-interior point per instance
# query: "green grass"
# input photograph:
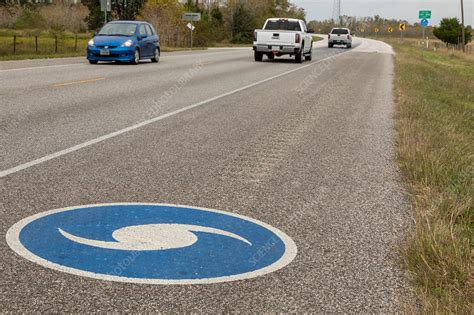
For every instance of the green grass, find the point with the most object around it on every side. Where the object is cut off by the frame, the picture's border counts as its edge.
(26, 47)
(317, 38)
(172, 49)
(435, 122)
(227, 44)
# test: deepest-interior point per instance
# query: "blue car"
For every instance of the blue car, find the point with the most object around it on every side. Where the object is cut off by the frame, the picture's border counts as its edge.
(128, 41)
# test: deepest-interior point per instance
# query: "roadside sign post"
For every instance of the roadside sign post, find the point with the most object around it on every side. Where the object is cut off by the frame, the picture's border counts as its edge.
(191, 17)
(105, 6)
(191, 28)
(425, 14)
(463, 32)
(402, 27)
(424, 24)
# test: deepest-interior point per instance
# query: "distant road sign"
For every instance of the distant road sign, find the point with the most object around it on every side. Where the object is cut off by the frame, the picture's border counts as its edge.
(390, 29)
(190, 16)
(191, 27)
(376, 30)
(424, 23)
(105, 5)
(425, 14)
(402, 27)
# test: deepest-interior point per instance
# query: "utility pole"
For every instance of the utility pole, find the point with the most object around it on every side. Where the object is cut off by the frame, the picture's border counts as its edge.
(336, 12)
(462, 27)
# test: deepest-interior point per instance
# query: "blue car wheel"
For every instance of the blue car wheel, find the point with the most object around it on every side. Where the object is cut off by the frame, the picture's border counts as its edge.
(136, 57)
(156, 58)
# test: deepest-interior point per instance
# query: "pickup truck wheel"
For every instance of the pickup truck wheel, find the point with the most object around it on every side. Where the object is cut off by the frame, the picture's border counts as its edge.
(309, 56)
(330, 45)
(271, 56)
(299, 56)
(258, 56)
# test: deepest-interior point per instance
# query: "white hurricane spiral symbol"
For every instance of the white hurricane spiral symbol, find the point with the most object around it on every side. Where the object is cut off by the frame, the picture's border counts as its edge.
(152, 237)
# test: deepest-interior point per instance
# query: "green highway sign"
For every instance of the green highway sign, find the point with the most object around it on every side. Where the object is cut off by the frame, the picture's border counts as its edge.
(425, 14)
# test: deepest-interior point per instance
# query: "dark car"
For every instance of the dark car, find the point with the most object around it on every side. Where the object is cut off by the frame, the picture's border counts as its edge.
(128, 41)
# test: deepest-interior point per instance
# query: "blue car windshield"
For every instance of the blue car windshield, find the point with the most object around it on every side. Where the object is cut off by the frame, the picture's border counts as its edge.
(118, 29)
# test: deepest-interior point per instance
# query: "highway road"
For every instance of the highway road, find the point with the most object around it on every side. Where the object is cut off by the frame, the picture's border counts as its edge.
(307, 149)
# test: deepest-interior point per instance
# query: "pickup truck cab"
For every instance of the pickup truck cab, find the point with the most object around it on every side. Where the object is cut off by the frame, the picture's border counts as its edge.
(340, 36)
(283, 37)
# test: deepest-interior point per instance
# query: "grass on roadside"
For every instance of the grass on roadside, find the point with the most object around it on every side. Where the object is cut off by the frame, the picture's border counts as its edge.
(317, 38)
(435, 93)
(66, 48)
(27, 48)
(26, 45)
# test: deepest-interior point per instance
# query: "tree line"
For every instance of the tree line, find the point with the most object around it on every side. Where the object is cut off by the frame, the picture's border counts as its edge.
(231, 21)
(449, 30)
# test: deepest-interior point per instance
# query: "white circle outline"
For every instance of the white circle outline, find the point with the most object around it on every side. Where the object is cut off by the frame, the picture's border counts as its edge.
(13, 241)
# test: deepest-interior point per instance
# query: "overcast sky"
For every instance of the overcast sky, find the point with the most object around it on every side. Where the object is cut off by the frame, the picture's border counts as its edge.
(400, 9)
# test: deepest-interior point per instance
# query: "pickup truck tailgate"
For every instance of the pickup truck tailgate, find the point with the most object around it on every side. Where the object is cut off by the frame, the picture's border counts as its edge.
(275, 37)
(339, 37)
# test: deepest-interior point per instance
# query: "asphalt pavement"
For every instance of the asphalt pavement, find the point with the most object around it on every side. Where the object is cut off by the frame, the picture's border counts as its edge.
(307, 149)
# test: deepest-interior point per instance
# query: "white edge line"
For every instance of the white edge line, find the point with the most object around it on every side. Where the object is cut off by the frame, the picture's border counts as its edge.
(13, 241)
(147, 122)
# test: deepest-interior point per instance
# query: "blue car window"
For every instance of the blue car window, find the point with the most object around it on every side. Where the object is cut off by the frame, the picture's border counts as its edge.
(118, 29)
(142, 30)
(149, 32)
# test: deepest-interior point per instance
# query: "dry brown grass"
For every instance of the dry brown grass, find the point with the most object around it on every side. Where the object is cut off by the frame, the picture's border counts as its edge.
(435, 120)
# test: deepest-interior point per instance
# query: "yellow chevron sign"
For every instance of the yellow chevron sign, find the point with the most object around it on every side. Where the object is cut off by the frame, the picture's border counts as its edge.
(402, 27)
(390, 29)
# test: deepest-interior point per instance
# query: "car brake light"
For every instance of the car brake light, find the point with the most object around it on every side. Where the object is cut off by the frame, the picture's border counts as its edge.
(297, 38)
(329, 36)
(348, 37)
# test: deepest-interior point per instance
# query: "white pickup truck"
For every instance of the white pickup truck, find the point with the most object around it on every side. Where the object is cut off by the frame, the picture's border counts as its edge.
(283, 37)
(340, 36)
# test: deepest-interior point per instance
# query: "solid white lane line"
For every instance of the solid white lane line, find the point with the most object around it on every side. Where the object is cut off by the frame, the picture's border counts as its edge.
(147, 122)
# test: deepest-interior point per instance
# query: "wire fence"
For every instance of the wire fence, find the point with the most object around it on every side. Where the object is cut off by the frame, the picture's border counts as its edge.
(431, 44)
(469, 49)
(66, 44)
(438, 45)
(42, 44)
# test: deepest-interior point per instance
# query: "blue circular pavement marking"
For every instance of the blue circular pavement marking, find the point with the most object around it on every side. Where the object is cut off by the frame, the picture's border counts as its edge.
(152, 243)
